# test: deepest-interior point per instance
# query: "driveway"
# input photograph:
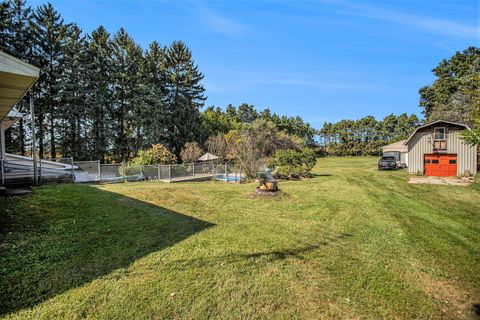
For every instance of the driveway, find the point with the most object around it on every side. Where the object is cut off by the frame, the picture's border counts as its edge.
(453, 181)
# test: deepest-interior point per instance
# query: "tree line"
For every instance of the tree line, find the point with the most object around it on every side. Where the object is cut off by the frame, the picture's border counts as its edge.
(217, 121)
(100, 95)
(365, 136)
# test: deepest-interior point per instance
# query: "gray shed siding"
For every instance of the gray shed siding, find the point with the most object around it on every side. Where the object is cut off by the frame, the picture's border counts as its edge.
(418, 146)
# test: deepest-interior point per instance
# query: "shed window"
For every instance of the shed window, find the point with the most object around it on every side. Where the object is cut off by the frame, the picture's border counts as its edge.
(435, 161)
(452, 161)
(439, 134)
(427, 161)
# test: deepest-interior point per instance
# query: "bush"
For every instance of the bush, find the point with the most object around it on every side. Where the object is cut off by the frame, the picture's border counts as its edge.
(293, 163)
(190, 152)
(157, 154)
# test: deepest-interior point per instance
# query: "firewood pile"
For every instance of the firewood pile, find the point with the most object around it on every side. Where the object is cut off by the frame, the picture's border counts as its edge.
(268, 185)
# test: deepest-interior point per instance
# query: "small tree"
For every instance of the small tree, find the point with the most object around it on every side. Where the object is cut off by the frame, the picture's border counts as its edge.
(472, 137)
(190, 152)
(157, 154)
(252, 143)
(217, 145)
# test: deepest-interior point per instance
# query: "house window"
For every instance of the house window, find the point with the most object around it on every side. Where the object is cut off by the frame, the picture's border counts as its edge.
(439, 134)
(439, 139)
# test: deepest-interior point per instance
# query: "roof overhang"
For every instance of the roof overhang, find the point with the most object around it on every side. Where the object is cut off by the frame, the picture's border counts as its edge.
(16, 78)
(433, 123)
(396, 146)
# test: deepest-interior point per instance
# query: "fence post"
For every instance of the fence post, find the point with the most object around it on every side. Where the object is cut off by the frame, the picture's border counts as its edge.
(170, 172)
(226, 172)
(158, 173)
(73, 171)
(141, 172)
(39, 179)
(122, 167)
(99, 171)
(193, 164)
(2, 172)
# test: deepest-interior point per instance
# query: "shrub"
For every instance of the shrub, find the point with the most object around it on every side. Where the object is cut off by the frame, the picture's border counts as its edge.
(157, 154)
(293, 163)
(190, 152)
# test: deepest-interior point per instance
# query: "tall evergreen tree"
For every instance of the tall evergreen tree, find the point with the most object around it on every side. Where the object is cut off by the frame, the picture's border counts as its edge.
(184, 98)
(6, 26)
(128, 94)
(155, 116)
(72, 109)
(99, 92)
(49, 35)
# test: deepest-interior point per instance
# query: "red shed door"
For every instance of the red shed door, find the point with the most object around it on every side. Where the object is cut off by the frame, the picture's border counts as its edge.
(441, 165)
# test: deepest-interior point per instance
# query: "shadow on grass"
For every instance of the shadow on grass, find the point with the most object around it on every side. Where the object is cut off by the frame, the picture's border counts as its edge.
(66, 236)
(316, 175)
(262, 257)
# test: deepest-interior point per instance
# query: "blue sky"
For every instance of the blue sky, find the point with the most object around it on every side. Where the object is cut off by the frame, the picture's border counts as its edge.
(323, 60)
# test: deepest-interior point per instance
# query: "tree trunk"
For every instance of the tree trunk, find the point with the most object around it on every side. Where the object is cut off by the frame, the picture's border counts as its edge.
(53, 148)
(41, 133)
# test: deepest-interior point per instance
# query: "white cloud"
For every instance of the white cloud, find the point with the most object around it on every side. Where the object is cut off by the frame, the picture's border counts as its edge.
(310, 81)
(435, 25)
(216, 21)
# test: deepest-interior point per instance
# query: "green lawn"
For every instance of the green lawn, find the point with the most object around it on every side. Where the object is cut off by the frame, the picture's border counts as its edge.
(349, 243)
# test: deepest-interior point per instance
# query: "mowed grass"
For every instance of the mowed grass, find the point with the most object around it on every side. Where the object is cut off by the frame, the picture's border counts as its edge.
(349, 243)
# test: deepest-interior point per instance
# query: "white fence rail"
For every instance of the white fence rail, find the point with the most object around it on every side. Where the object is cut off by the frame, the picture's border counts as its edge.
(68, 170)
(22, 171)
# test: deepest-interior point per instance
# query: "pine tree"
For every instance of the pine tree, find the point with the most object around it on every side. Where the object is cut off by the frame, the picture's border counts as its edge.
(184, 98)
(154, 77)
(99, 92)
(49, 35)
(72, 110)
(128, 94)
(6, 26)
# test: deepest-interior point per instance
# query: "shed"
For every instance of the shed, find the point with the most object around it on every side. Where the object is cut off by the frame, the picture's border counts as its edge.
(437, 149)
(399, 150)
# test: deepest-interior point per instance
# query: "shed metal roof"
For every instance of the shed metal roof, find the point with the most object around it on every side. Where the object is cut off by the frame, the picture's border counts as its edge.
(396, 146)
(433, 123)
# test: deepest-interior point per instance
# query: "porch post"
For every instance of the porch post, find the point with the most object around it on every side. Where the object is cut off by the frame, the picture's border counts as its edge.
(2, 140)
(34, 142)
(2, 151)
